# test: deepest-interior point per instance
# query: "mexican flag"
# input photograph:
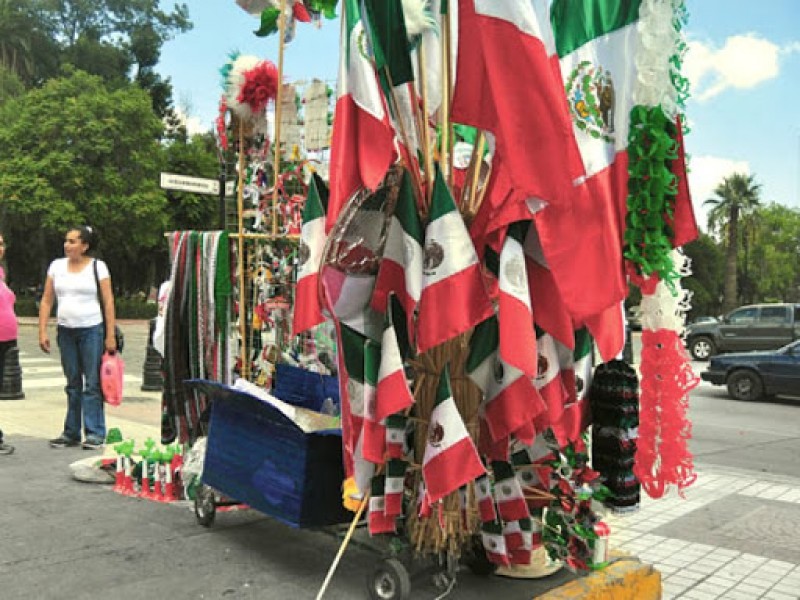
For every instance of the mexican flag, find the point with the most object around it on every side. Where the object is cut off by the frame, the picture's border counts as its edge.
(483, 495)
(362, 148)
(352, 351)
(494, 543)
(396, 435)
(374, 431)
(452, 275)
(576, 375)
(517, 335)
(377, 519)
(400, 270)
(507, 72)
(395, 485)
(519, 541)
(599, 46)
(510, 400)
(508, 493)
(548, 379)
(450, 458)
(394, 394)
(307, 309)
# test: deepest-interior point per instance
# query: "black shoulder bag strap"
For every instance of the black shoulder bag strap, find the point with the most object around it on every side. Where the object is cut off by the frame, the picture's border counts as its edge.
(100, 298)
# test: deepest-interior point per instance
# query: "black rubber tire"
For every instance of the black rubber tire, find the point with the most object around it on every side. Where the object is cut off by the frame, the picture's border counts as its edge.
(205, 505)
(389, 580)
(702, 348)
(745, 385)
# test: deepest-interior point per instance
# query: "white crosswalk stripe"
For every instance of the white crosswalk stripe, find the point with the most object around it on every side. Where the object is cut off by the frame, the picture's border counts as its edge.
(45, 372)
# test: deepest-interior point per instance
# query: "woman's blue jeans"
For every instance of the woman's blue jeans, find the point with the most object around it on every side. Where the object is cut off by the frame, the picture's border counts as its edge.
(81, 351)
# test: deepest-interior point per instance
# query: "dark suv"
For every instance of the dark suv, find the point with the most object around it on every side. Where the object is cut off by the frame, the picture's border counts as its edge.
(756, 327)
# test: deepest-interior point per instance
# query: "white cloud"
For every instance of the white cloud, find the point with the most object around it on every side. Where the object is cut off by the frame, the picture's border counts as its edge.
(743, 62)
(706, 173)
(193, 124)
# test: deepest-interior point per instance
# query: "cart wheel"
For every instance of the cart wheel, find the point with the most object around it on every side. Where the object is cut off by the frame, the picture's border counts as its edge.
(477, 561)
(389, 580)
(205, 505)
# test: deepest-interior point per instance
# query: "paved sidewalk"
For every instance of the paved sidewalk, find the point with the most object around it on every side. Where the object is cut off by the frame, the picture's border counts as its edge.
(734, 537)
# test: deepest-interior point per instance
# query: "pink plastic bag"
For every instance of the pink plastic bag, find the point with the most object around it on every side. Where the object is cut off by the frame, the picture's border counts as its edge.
(112, 369)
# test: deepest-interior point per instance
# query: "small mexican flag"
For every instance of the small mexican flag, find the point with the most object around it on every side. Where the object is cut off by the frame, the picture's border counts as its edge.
(523, 467)
(510, 400)
(518, 536)
(396, 435)
(494, 543)
(307, 309)
(483, 495)
(517, 335)
(394, 394)
(400, 270)
(548, 379)
(374, 433)
(378, 520)
(451, 459)
(452, 275)
(395, 485)
(510, 500)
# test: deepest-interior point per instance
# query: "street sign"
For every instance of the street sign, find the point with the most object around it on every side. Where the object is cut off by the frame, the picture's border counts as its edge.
(229, 188)
(184, 183)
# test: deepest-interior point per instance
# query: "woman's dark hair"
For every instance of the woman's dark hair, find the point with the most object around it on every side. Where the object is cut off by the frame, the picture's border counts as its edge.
(88, 235)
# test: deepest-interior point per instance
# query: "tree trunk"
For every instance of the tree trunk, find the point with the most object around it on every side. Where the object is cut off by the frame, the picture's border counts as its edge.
(731, 299)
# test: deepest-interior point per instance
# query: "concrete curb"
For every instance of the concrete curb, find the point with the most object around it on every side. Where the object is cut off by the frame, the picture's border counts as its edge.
(626, 578)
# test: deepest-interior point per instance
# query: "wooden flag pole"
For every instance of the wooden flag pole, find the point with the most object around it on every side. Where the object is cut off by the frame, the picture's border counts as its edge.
(343, 547)
(445, 158)
(426, 146)
(245, 370)
(278, 110)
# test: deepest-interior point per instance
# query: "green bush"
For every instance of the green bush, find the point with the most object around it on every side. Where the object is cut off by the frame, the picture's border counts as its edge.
(127, 308)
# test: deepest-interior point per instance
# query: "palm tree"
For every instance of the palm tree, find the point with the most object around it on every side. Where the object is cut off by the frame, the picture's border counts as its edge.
(736, 197)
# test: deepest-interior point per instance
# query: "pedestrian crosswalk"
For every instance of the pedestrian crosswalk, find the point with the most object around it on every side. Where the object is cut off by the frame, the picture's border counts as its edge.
(43, 372)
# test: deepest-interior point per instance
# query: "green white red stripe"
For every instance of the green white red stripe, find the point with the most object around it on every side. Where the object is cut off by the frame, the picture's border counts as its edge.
(396, 435)
(395, 486)
(508, 494)
(374, 431)
(450, 459)
(485, 500)
(510, 402)
(401, 267)
(362, 148)
(377, 519)
(307, 309)
(494, 543)
(517, 336)
(394, 394)
(451, 275)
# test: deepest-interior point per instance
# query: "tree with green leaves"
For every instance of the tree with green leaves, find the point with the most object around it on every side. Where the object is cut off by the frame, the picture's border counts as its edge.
(707, 279)
(76, 152)
(734, 198)
(774, 252)
(119, 40)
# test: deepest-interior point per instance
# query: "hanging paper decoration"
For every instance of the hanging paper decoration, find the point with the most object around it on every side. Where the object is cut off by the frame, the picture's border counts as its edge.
(249, 83)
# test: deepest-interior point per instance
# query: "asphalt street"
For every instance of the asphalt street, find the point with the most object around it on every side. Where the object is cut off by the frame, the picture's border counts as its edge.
(61, 538)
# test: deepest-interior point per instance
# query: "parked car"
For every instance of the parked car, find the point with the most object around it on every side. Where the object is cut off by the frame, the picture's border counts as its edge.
(703, 320)
(756, 327)
(754, 375)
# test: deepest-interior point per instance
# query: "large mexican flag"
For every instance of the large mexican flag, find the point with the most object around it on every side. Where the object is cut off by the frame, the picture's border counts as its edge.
(362, 147)
(599, 44)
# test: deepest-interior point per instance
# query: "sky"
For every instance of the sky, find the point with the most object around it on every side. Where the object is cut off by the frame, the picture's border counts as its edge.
(743, 63)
